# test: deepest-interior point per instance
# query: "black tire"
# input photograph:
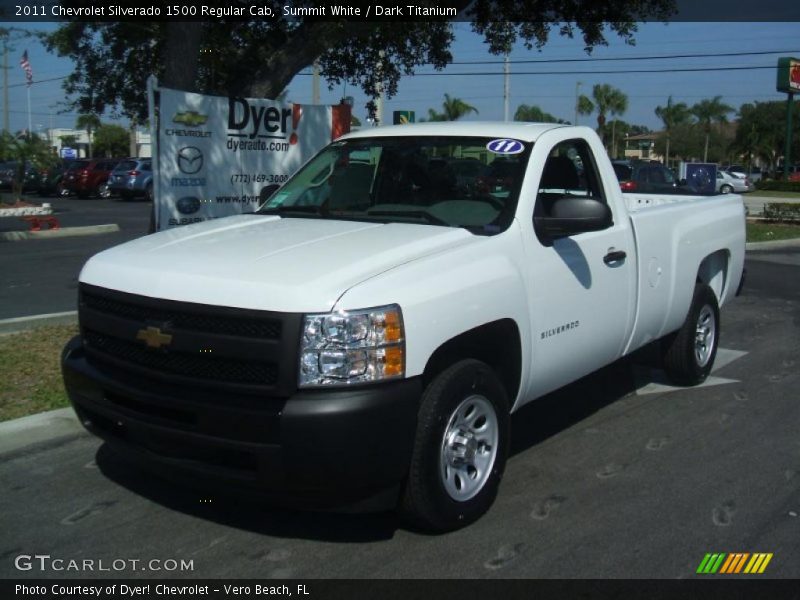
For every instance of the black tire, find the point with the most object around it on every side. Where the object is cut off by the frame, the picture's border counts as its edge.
(103, 191)
(426, 502)
(725, 189)
(148, 192)
(684, 359)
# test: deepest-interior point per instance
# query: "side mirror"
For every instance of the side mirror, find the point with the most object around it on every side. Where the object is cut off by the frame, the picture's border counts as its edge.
(266, 192)
(570, 215)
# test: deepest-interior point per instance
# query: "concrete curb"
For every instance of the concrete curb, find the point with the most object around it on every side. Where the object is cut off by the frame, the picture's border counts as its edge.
(16, 236)
(18, 324)
(776, 245)
(33, 429)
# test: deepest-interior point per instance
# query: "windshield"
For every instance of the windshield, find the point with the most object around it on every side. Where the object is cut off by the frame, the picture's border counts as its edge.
(443, 181)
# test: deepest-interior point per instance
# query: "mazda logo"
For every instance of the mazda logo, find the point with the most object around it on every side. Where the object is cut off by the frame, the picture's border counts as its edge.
(190, 160)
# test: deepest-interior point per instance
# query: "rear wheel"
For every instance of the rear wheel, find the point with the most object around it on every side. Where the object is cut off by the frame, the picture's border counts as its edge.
(103, 191)
(690, 352)
(460, 448)
(725, 189)
(148, 192)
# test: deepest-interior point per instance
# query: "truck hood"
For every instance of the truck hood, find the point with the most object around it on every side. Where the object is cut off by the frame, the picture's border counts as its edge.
(265, 262)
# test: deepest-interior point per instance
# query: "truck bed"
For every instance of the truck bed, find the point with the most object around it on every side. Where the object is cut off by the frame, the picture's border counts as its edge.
(675, 236)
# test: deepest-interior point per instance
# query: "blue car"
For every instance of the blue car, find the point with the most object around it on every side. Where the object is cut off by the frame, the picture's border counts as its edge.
(133, 177)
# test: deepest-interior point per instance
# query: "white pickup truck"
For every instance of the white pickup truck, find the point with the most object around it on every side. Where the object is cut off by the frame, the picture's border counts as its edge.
(365, 335)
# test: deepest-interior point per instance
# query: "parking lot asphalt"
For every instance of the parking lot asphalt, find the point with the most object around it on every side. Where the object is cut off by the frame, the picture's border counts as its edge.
(605, 481)
(40, 276)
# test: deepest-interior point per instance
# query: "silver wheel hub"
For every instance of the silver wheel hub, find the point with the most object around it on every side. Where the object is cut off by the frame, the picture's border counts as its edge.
(705, 332)
(469, 448)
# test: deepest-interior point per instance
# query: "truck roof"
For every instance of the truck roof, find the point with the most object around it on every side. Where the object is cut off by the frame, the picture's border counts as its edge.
(523, 131)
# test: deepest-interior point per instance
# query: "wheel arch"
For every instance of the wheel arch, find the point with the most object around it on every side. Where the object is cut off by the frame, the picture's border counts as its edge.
(713, 271)
(498, 344)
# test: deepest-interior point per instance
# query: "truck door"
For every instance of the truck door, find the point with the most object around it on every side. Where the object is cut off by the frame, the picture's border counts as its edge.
(581, 287)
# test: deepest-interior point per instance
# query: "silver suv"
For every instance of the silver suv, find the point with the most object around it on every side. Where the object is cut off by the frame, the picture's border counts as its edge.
(131, 178)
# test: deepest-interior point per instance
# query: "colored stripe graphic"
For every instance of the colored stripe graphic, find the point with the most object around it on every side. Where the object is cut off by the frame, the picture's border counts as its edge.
(711, 563)
(733, 563)
(758, 563)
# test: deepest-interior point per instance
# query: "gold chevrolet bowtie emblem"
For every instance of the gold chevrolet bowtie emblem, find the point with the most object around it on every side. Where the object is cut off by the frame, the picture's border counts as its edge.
(153, 337)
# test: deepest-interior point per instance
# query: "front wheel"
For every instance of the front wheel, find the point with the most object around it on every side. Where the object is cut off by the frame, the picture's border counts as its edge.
(460, 448)
(690, 352)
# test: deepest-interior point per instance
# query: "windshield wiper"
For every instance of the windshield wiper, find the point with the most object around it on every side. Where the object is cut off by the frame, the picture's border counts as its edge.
(414, 214)
(284, 209)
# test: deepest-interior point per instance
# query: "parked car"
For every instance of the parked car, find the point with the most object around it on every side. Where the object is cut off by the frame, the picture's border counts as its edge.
(742, 172)
(89, 177)
(9, 170)
(380, 350)
(131, 178)
(648, 177)
(794, 172)
(51, 180)
(727, 183)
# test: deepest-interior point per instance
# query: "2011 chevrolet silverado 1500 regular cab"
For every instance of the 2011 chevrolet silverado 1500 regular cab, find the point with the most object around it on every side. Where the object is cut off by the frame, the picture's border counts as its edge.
(366, 333)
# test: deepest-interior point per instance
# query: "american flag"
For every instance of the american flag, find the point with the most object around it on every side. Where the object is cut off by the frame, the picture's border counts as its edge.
(26, 66)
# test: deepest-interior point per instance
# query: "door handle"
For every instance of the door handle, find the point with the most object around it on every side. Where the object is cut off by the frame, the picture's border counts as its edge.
(614, 256)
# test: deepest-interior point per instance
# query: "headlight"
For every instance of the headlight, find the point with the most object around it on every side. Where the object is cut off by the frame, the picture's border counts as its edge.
(352, 347)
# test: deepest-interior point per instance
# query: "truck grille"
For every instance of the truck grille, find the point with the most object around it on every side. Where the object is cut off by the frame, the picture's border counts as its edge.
(202, 345)
(185, 365)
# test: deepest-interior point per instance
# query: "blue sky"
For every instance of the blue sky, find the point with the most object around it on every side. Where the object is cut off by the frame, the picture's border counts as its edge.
(553, 93)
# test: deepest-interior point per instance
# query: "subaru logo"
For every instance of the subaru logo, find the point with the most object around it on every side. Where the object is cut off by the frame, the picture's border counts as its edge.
(188, 205)
(190, 160)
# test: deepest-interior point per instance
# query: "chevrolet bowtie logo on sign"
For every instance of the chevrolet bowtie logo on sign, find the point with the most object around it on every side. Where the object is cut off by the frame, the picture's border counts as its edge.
(741, 562)
(153, 337)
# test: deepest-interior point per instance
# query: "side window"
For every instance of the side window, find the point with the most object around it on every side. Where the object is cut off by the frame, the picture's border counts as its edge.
(657, 175)
(569, 175)
(570, 170)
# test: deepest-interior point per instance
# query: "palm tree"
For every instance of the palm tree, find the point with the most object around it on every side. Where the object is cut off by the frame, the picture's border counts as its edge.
(605, 99)
(455, 108)
(672, 115)
(585, 105)
(618, 104)
(89, 122)
(708, 112)
(435, 116)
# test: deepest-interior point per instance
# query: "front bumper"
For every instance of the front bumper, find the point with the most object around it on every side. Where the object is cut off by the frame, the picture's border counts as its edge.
(321, 448)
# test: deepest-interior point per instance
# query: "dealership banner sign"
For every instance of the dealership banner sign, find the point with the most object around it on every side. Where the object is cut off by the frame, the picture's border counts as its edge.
(216, 154)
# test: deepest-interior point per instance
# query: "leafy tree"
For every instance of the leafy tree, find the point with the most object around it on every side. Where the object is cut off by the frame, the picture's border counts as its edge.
(68, 140)
(762, 132)
(111, 140)
(535, 114)
(671, 115)
(25, 150)
(89, 122)
(707, 112)
(260, 57)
